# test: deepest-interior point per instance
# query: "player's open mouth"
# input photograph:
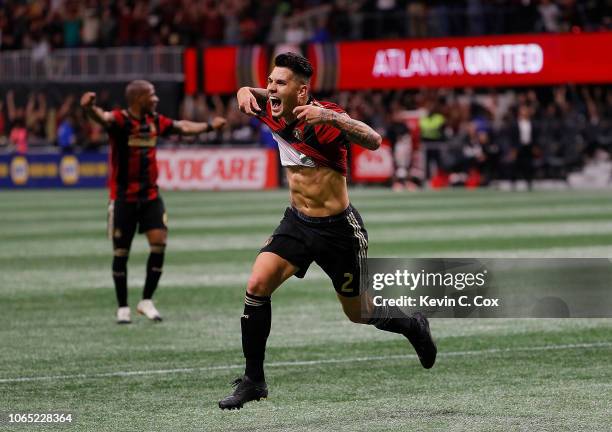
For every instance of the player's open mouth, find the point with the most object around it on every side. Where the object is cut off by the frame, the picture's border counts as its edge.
(275, 102)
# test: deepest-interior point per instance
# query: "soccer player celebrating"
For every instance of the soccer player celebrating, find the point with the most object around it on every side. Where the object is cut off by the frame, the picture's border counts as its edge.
(134, 196)
(320, 225)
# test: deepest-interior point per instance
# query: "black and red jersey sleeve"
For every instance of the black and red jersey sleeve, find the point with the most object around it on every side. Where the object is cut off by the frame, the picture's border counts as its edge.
(118, 117)
(332, 106)
(118, 122)
(117, 129)
(327, 134)
(165, 124)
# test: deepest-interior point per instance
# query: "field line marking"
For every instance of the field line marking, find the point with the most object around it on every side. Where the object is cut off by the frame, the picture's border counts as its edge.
(302, 362)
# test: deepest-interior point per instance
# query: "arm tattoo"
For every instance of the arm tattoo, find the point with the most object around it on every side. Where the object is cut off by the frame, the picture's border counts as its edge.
(328, 116)
(355, 130)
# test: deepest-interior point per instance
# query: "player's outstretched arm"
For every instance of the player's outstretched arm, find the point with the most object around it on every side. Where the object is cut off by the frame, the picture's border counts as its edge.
(356, 131)
(251, 100)
(186, 127)
(94, 112)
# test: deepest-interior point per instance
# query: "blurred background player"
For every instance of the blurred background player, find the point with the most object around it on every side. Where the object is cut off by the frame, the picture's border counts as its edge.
(135, 201)
(320, 225)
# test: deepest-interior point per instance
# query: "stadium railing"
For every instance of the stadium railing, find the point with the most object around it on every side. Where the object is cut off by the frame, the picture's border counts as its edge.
(93, 65)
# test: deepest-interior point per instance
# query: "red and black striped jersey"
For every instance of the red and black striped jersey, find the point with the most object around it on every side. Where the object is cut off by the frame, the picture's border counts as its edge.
(132, 159)
(307, 145)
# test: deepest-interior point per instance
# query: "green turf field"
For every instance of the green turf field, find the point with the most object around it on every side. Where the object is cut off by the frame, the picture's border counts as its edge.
(62, 351)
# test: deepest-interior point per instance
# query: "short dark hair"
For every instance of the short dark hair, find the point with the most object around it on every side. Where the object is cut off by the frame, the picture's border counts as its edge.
(134, 89)
(298, 64)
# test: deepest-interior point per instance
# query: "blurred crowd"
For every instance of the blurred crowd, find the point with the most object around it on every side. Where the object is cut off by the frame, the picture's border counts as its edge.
(540, 132)
(527, 133)
(39, 121)
(507, 133)
(42, 25)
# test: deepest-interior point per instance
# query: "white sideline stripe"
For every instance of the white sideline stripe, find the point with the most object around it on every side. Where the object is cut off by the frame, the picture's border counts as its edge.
(302, 363)
(265, 223)
(97, 246)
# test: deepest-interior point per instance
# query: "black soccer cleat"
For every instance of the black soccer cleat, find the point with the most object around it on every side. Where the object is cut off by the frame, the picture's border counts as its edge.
(245, 391)
(421, 340)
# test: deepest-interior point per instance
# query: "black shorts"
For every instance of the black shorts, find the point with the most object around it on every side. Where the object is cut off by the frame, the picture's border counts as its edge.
(125, 217)
(338, 244)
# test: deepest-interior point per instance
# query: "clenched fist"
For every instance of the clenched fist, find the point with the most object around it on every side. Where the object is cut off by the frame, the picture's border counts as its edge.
(88, 99)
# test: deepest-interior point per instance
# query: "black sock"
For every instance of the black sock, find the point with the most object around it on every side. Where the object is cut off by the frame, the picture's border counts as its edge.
(154, 272)
(255, 323)
(391, 319)
(120, 279)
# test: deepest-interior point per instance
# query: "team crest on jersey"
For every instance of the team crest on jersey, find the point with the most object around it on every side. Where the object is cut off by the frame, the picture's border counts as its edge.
(136, 141)
(145, 137)
(298, 135)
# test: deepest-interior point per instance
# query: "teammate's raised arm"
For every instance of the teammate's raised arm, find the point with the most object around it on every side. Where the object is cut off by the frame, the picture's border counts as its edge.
(97, 114)
(252, 100)
(356, 131)
(186, 127)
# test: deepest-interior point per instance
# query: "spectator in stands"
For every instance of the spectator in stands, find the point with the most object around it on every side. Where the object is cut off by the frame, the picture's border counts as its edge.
(321, 32)
(524, 132)
(125, 22)
(432, 126)
(18, 134)
(345, 20)
(475, 17)
(382, 19)
(212, 23)
(7, 41)
(67, 134)
(492, 158)
(18, 26)
(549, 142)
(72, 23)
(295, 33)
(523, 17)
(91, 24)
(108, 26)
(398, 134)
(432, 123)
(18, 137)
(549, 16)
(41, 54)
(35, 117)
(140, 27)
(416, 14)
(248, 29)
(54, 28)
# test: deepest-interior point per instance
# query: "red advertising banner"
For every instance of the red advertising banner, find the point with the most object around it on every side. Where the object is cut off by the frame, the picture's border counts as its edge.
(220, 70)
(476, 61)
(228, 68)
(217, 169)
(371, 166)
(190, 66)
(535, 59)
